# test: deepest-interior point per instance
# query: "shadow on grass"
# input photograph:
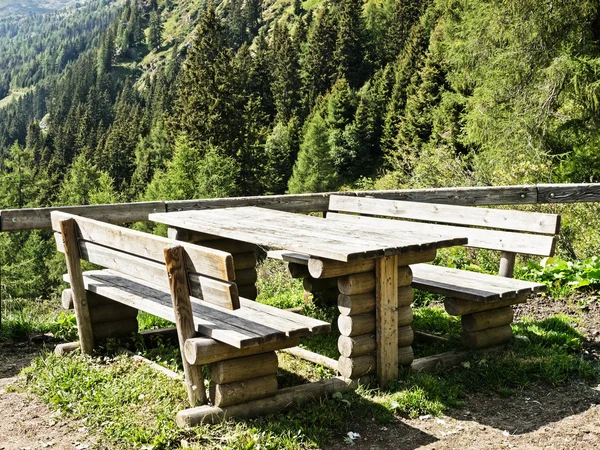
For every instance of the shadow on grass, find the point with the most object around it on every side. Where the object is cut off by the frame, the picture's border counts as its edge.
(513, 389)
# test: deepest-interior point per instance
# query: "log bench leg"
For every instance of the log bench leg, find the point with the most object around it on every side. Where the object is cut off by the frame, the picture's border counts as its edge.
(108, 318)
(241, 380)
(484, 324)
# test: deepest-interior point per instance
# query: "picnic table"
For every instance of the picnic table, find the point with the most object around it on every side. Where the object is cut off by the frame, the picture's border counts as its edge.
(371, 264)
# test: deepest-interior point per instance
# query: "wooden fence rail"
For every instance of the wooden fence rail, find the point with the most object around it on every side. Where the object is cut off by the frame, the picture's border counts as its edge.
(39, 218)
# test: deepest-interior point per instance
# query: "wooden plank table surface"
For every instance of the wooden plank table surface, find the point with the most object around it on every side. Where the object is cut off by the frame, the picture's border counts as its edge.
(315, 236)
(328, 240)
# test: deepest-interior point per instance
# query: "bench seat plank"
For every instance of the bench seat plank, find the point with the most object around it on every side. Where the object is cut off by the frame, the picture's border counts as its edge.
(242, 328)
(467, 285)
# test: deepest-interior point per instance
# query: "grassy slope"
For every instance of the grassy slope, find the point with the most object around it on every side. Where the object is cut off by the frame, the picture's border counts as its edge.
(10, 7)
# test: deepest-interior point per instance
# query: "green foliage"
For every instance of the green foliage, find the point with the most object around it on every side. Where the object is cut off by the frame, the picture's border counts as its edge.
(314, 170)
(155, 31)
(85, 184)
(557, 273)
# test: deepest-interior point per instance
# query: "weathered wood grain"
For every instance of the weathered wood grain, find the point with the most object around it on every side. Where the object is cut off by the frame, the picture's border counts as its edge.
(284, 398)
(386, 319)
(238, 369)
(531, 244)
(502, 219)
(487, 319)
(82, 313)
(472, 286)
(202, 350)
(304, 234)
(184, 318)
(242, 391)
(209, 262)
(460, 307)
(39, 218)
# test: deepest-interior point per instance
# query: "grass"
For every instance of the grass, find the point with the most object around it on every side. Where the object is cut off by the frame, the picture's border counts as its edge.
(129, 405)
(14, 95)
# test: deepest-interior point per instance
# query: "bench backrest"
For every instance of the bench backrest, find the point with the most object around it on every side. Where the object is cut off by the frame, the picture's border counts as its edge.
(137, 254)
(493, 229)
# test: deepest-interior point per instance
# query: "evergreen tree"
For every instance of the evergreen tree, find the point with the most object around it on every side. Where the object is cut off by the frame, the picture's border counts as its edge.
(105, 55)
(349, 46)
(19, 186)
(319, 65)
(314, 170)
(278, 160)
(236, 23)
(286, 79)
(424, 94)
(253, 17)
(209, 108)
(85, 184)
(404, 15)
(260, 76)
(155, 31)
(409, 62)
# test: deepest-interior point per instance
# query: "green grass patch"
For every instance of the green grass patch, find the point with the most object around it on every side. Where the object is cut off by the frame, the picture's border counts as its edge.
(131, 406)
(22, 318)
(276, 287)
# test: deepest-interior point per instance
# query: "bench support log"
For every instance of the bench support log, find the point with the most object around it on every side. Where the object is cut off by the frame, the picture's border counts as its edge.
(82, 312)
(284, 398)
(184, 319)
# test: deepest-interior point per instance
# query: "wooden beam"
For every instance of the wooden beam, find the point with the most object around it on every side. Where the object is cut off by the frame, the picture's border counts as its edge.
(386, 319)
(39, 218)
(202, 350)
(82, 312)
(182, 307)
(284, 398)
(313, 357)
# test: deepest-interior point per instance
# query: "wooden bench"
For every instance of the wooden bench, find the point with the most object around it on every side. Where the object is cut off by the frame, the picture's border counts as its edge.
(190, 285)
(483, 301)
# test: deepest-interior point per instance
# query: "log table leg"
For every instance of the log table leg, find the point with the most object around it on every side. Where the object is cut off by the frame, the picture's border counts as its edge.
(372, 302)
(386, 319)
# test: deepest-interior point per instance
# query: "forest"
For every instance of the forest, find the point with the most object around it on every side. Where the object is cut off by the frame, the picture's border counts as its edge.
(171, 99)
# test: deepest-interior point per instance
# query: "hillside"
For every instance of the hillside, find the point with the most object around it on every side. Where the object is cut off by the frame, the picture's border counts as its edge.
(26, 7)
(175, 98)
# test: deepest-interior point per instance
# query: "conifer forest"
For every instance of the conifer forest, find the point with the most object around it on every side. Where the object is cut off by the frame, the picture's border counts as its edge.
(110, 101)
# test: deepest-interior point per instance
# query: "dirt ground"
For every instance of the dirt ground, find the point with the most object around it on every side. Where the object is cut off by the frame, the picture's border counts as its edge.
(567, 417)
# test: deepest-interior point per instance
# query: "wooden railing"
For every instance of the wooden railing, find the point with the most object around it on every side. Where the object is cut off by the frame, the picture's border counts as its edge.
(39, 218)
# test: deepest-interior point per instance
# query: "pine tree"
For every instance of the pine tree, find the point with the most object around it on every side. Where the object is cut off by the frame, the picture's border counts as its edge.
(277, 166)
(18, 184)
(155, 31)
(210, 104)
(424, 94)
(319, 65)
(409, 62)
(85, 184)
(349, 46)
(286, 79)
(253, 17)
(314, 170)
(404, 15)
(105, 55)
(260, 76)
(236, 23)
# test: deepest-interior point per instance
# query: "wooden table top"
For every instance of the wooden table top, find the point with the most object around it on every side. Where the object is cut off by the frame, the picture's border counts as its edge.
(315, 236)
